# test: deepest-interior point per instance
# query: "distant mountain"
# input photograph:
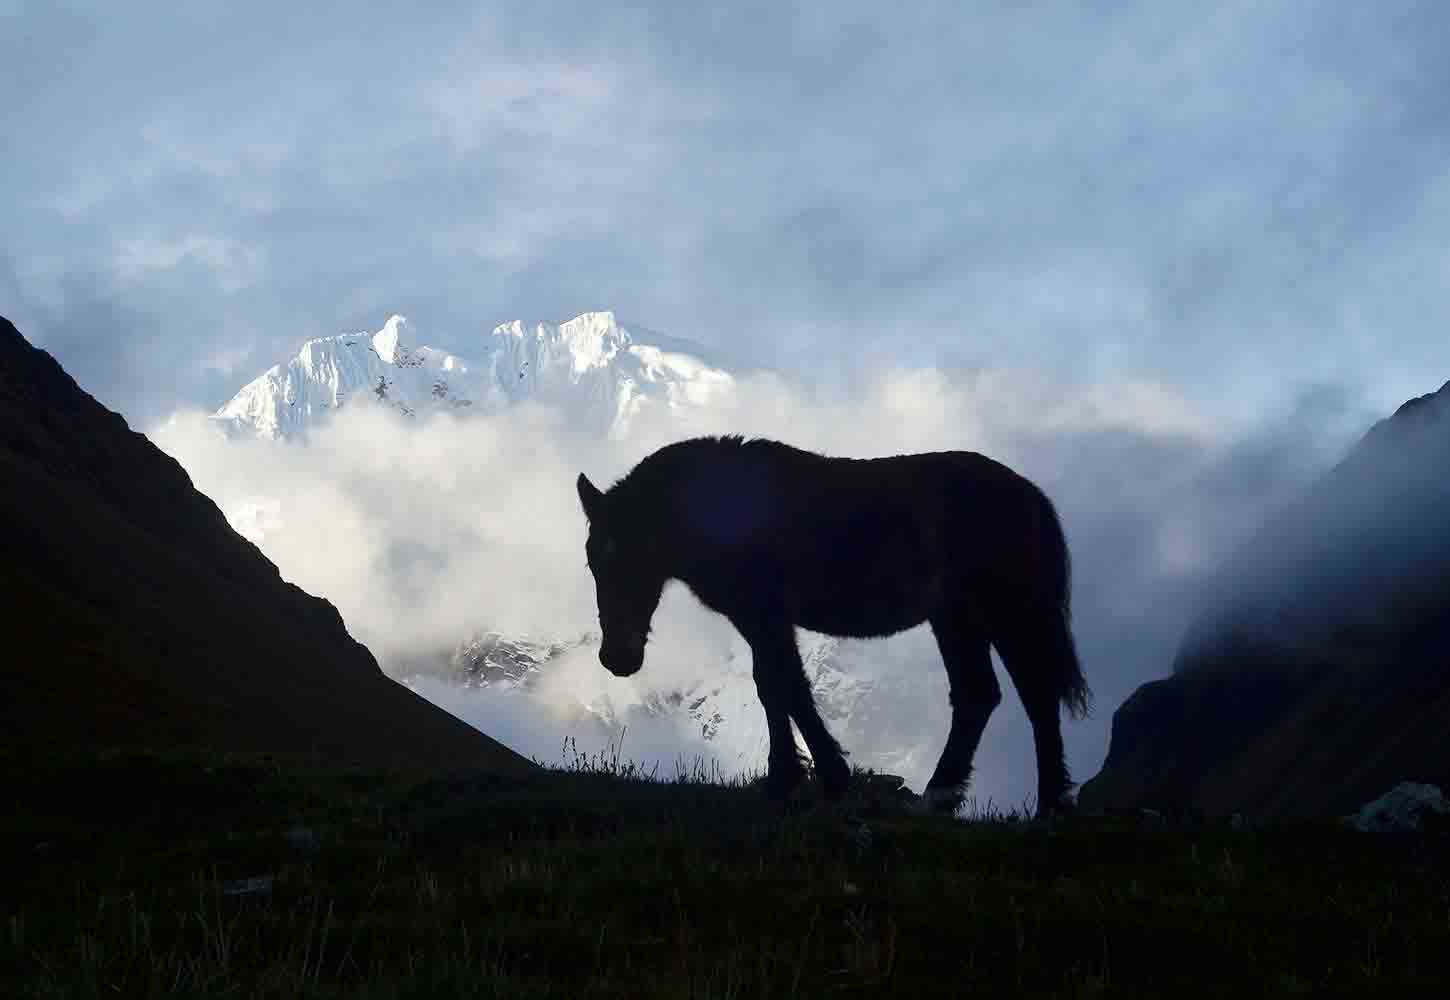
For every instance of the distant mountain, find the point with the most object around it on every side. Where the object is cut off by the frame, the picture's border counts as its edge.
(599, 373)
(492, 659)
(720, 708)
(1318, 675)
(136, 617)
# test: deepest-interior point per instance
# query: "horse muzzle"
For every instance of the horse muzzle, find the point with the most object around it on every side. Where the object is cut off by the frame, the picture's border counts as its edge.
(623, 659)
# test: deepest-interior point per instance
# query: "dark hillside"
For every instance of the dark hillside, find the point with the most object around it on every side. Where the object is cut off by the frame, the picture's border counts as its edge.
(142, 876)
(1319, 677)
(136, 617)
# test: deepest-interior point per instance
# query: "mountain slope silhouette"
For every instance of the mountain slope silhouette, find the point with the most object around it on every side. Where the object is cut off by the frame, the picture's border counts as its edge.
(1317, 676)
(139, 619)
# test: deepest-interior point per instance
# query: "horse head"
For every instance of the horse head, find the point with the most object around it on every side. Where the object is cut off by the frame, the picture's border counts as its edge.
(628, 579)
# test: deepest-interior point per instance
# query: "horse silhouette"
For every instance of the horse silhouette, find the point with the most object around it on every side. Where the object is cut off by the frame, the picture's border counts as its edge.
(774, 537)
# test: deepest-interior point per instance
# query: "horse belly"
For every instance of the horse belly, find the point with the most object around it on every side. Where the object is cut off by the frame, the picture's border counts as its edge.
(874, 570)
(869, 605)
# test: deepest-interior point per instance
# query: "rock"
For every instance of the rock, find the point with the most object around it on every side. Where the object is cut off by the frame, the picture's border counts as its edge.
(1406, 808)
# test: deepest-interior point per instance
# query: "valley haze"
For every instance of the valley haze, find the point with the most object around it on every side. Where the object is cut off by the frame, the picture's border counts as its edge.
(431, 517)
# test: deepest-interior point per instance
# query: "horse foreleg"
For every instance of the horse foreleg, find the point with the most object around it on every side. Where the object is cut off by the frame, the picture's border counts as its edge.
(783, 766)
(785, 693)
(975, 694)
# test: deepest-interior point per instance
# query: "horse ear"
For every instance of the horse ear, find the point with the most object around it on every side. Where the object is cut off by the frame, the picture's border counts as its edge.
(589, 496)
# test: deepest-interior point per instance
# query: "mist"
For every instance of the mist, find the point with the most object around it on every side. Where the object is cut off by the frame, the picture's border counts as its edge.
(424, 531)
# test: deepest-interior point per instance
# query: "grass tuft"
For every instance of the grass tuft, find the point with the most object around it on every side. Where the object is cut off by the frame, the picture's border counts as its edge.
(601, 878)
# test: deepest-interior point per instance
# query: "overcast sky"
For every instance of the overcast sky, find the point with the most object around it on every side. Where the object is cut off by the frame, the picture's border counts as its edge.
(1244, 201)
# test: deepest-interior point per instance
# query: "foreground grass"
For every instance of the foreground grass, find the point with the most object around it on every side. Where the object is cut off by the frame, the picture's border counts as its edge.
(586, 883)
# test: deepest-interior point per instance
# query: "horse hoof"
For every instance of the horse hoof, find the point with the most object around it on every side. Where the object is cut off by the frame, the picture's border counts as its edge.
(782, 786)
(1060, 808)
(836, 783)
(941, 801)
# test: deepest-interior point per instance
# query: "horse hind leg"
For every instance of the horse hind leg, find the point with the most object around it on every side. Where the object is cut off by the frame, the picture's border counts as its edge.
(975, 694)
(1035, 648)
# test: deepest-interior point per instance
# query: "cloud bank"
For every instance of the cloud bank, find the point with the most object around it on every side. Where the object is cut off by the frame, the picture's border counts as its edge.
(1231, 199)
(424, 531)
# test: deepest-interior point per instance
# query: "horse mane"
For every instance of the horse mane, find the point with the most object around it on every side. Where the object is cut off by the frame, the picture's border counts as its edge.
(668, 460)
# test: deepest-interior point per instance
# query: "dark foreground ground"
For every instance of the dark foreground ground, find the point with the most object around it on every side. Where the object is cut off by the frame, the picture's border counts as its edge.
(122, 876)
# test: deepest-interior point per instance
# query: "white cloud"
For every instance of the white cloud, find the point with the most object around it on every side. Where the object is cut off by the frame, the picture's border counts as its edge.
(503, 102)
(422, 532)
(1225, 199)
(235, 265)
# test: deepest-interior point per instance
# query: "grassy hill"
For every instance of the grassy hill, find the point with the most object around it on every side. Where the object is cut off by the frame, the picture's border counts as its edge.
(585, 883)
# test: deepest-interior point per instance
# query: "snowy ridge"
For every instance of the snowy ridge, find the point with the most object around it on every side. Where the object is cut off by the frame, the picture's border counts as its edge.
(331, 372)
(600, 376)
(719, 709)
(492, 659)
(595, 370)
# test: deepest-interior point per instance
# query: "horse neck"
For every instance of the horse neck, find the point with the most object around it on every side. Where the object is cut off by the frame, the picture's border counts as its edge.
(656, 505)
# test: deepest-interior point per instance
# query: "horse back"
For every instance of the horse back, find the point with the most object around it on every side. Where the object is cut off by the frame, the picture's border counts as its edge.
(874, 546)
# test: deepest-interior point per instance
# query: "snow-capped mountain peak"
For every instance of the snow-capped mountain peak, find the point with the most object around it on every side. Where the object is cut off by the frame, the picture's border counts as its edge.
(388, 342)
(589, 340)
(328, 372)
(591, 367)
(593, 339)
(600, 376)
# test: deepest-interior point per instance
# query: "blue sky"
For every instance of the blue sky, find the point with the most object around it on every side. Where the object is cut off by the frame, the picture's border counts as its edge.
(1247, 202)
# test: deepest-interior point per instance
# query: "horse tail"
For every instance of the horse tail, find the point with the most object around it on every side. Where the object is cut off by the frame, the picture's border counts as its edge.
(1072, 686)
